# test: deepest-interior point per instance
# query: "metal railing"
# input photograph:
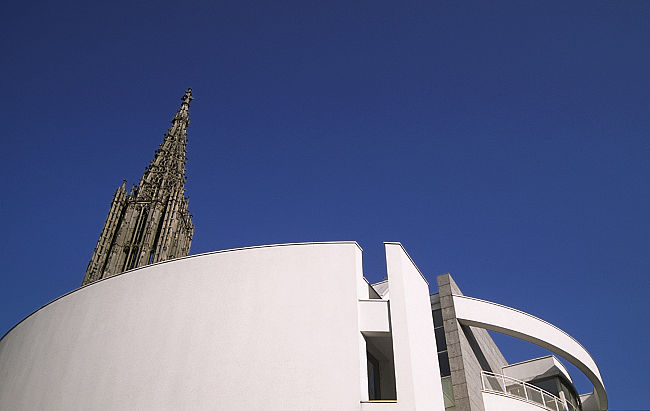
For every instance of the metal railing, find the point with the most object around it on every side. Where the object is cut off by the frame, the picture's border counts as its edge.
(512, 387)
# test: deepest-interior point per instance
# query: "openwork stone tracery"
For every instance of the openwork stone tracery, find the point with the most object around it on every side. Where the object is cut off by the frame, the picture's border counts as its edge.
(151, 222)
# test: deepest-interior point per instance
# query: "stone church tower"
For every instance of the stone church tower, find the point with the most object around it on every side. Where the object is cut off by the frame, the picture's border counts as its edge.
(151, 222)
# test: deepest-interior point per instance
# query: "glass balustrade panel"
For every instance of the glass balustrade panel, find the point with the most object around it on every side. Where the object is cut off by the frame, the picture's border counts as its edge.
(516, 389)
(549, 402)
(534, 395)
(493, 383)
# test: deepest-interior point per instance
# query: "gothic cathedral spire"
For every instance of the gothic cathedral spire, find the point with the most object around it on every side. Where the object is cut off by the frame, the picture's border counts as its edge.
(151, 222)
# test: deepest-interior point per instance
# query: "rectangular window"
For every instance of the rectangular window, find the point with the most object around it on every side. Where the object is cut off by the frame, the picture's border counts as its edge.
(437, 318)
(441, 342)
(443, 361)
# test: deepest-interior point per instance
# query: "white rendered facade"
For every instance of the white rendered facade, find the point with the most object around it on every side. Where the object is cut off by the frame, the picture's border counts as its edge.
(252, 329)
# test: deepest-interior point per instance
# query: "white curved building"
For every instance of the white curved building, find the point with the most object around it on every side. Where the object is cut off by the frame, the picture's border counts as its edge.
(256, 329)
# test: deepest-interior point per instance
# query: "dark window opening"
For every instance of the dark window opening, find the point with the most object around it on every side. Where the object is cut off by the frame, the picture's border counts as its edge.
(126, 258)
(443, 361)
(437, 318)
(381, 367)
(374, 392)
(133, 259)
(441, 341)
(441, 344)
(154, 247)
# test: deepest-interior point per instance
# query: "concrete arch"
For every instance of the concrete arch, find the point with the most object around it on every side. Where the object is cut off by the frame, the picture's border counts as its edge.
(509, 321)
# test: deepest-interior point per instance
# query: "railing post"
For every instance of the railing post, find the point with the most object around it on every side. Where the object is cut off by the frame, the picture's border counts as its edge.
(503, 378)
(525, 390)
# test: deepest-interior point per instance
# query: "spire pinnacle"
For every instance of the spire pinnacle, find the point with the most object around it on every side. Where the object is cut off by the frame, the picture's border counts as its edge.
(188, 96)
(183, 110)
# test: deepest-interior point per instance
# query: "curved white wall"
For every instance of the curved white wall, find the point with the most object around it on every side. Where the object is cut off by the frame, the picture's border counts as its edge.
(496, 317)
(249, 329)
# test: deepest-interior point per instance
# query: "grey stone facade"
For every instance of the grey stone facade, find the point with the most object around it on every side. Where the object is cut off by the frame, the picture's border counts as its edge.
(470, 350)
(150, 222)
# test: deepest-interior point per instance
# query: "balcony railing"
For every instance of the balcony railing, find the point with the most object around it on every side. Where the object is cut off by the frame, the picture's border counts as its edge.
(512, 387)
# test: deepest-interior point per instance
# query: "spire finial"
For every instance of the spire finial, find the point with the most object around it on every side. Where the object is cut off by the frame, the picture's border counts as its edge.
(188, 96)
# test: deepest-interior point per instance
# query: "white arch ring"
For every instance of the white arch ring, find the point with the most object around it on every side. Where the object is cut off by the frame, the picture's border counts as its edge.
(509, 321)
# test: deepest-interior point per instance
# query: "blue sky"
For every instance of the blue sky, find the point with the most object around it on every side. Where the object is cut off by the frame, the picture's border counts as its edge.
(505, 142)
